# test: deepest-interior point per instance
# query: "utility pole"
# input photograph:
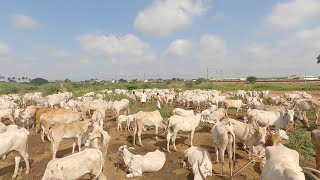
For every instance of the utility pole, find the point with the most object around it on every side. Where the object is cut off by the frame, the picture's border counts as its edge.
(207, 73)
(305, 74)
(144, 76)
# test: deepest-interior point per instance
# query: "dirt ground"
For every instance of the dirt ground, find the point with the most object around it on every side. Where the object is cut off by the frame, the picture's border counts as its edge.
(40, 154)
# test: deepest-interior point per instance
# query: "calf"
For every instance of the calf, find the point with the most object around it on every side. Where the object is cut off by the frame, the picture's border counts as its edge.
(15, 139)
(137, 164)
(64, 131)
(124, 118)
(223, 138)
(180, 123)
(76, 165)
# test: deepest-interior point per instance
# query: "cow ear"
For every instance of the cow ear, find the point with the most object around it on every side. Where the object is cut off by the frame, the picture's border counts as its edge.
(51, 171)
(62, 168)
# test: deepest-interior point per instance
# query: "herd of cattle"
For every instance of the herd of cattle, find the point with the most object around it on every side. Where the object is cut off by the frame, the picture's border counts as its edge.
(62, 116)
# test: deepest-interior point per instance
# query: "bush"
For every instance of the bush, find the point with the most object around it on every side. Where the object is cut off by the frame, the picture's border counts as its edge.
(252, 79)
(39, 81)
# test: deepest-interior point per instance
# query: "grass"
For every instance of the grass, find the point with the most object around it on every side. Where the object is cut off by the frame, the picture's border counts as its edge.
(300, 138)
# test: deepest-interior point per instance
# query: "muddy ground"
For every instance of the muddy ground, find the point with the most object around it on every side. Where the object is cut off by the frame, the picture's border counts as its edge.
(40, 155)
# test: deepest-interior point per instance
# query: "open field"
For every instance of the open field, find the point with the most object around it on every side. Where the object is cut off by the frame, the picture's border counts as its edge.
(40, 155)
(79, 88)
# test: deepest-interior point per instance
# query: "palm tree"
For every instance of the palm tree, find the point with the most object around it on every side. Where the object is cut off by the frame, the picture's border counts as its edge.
(9, 79)
(19, 79)
(318, 58)
(23, 78)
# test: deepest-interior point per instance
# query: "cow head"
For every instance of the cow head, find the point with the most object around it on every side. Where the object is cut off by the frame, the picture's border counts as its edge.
(288, 115)
(260, 134)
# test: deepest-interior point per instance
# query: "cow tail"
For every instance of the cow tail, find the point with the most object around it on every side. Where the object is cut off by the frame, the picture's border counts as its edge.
(234, 149)
(101, 164)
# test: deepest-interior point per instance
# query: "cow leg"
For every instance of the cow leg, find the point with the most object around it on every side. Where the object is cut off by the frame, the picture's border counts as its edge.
(221, 153)
(317, 112)
(157, 133)
(42, 134)
(230, 156)
(168, 140)
(134, 134)
(79, 143)
(217, 155)
(73, 145)
(139, 136)
(55, 146)
(16, 167)
(250, 151)
(237, 111)
(191, 138)
(25, 158)
(227, 111)
(174, 136)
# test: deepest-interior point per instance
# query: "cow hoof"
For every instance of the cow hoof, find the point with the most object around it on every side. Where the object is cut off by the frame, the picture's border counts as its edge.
(27, 172)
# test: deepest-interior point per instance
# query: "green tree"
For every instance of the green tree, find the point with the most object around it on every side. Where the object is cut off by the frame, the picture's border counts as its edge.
(39, 81)
(252, 79)
(67, 80)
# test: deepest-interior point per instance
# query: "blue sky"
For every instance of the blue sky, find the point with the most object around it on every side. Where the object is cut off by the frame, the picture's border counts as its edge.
(160, 38)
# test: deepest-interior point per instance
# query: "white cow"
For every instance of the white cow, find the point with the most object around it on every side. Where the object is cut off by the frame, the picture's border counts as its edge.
(250, 134)
(98, 139)
(137, 164)
(15, 140)
(280, 120)
(98, 117)
(282, 163)
(90, 161)
(181, 123)
(223, 138)
(200, 162)
(142, 119)
(71, 130)
(238, 104)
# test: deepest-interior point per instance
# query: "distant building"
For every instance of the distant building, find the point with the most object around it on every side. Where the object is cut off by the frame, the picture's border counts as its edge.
(311, 78)
(301, 77)
(295, 77)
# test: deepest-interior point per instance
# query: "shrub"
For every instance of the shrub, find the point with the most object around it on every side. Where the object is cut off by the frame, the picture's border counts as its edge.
(39, 81)
(252, 79)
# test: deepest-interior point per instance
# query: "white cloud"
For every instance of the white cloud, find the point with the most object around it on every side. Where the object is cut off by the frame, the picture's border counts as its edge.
(292, 13)
(163, 17)
(258, 51)
(4, 50)
(125, 48)
(209, 47)
(24, 22)
(310, 37)
(178, 47)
